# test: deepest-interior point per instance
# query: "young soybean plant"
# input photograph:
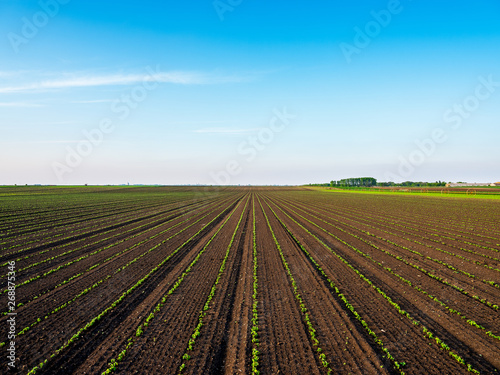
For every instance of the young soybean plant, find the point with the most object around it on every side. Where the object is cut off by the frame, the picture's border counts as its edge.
(197, 331)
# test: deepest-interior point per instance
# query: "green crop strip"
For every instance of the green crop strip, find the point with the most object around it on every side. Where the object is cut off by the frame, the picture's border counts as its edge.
(92, 210)
(364, 219)
(197, 331)
(441, 250)
(456, 195)
(121, 233)
(94, 243)
(72, 233)
(96, 284)
(298, 297)
(96, 319)
(113, 364)
(376, 339)
(426, 331)
(440, 235)
(419, 289)
(129, 213)
(51, 271)
(65, 223)
(73, 206)
(120, 253)
(431, 221)
(441, 280)
(424, 220)
(255, 303)
(62, 218)
(124, 215)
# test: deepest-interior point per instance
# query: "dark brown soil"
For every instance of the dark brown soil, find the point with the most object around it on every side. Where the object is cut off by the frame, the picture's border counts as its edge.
(366, 245)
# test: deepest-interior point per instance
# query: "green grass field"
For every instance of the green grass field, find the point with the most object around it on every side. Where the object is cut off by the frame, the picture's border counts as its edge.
(448, 194)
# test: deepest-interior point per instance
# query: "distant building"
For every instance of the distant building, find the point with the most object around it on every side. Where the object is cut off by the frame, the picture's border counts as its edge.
(495, 184)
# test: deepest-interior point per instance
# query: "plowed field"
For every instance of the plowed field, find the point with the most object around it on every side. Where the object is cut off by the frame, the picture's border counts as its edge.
(184, 280)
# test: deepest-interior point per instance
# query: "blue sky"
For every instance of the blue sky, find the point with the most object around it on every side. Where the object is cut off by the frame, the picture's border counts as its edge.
(190, 91)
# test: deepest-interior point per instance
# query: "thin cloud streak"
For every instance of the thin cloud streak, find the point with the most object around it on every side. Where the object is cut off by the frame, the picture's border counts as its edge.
(12, 74)
(92, 101)
(56, 141)
(225, 131)
(20, 104)
(181, 78)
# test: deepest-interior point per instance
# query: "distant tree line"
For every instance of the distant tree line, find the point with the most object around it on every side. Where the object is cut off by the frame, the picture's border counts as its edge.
(355, 182)
(370, 181)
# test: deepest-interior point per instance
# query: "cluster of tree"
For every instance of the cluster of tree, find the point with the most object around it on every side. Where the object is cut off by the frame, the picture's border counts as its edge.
(413, 184)
(355, 182)
(370, 181)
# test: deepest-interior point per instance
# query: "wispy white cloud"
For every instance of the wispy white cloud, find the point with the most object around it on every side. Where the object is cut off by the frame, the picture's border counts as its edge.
(225, 131)
(55, 141)
(92, 101)
(12, 74)
(20, 104)
(177, 123)
(41, 142)
(51, 123)
(76, 81)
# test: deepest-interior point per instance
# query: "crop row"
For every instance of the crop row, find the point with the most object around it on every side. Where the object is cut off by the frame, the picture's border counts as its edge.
(96, 284)
(119, 233)
(298, 297)
(58, 268)
(417, 212)
(83, 232)
(332, 287)
(112, 366)
(201, 315)
(437, 248)
(430, 221)
(113, 305)
(365, 218)
(130, 207)
(255, 301)
(25, 216)
(416, 287)
(66, 223)
(402, 312)
(435, 277)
